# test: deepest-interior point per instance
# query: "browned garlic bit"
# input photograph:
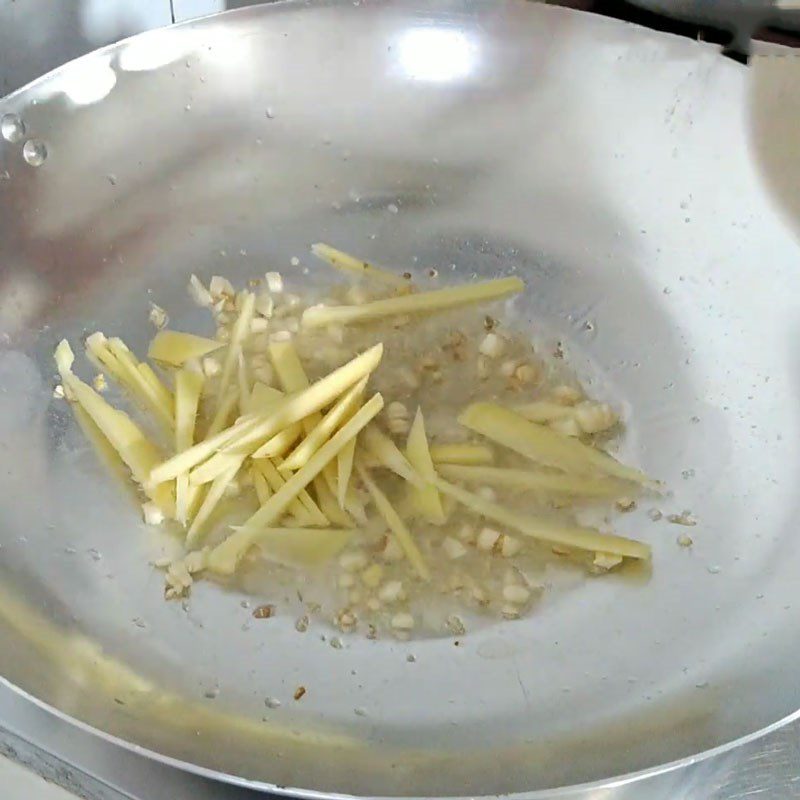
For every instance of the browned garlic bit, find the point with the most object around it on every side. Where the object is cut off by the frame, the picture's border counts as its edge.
(509, 546)
(492, 346)
(453, 548)
(153, 515)
(346, 621)
(566, 395)
(395, 454)
(402, 624)
(455, 625)
(487, 539)
(158, 317)
(391, 592)
(594, 417)
(526, 373)
(606, 561)
(399, 420)
(264, 612)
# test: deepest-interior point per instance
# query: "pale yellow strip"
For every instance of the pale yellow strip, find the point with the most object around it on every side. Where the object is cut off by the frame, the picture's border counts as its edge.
(344, 408)
(543, 445)
(240, 330)
(252, 430)
(356, 266)
(215, 493)
(538, 481)
(461, 454)
(546, 531)
(133, 447)
(225, 557)
(426, 499)
(388, 455)
(175, 347)
(437, 300)
(303, 507)
(188, 386)
(396, 525)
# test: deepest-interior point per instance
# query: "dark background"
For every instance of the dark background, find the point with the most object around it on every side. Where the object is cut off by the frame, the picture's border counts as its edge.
(728, 23)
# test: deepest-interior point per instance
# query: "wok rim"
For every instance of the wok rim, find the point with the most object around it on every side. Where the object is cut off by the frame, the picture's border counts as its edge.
(568, 791)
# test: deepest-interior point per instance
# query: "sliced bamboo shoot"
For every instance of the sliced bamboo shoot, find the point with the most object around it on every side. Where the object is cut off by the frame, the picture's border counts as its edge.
(183, 462)
(148, 386)
(304, 404)
(122, 367)
(188, 386)
(252, 430)
(396, 525)
(436, 300)
(225, 556)
(327, 501)
(175, 347)
(293, 378)
(566, 535)
(261, 486)
(263, 397)
(547, 482)
(343, 410)
(329, 474)
(354, 505)
(381, 447)
(303, 506)
(352, 502)
(99, 354)
(355, 266)
(427, 499)
(139, 454)
(240, 330)
(225, 409)
(461, 454)
(344, 469)
(243, 375)
(167, 398)
(280, 443)
(215, 492)
(291, 374)
(210, 470)
(543, 445)
(104, 450)
(302, 547)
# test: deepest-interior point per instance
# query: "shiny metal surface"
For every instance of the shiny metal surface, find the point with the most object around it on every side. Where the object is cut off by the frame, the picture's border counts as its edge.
(96, 769)
(630, 176)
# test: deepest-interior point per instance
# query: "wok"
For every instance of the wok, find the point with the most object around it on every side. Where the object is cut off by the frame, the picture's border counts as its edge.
(631, 177)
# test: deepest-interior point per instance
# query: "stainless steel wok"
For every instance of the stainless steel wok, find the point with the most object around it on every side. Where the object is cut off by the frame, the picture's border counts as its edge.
(639, 182)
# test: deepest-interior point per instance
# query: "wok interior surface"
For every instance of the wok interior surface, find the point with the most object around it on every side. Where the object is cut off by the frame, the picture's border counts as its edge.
(615, 170)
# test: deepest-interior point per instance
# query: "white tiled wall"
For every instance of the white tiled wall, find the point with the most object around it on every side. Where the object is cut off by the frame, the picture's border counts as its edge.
(39, 35)
(188, 9)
